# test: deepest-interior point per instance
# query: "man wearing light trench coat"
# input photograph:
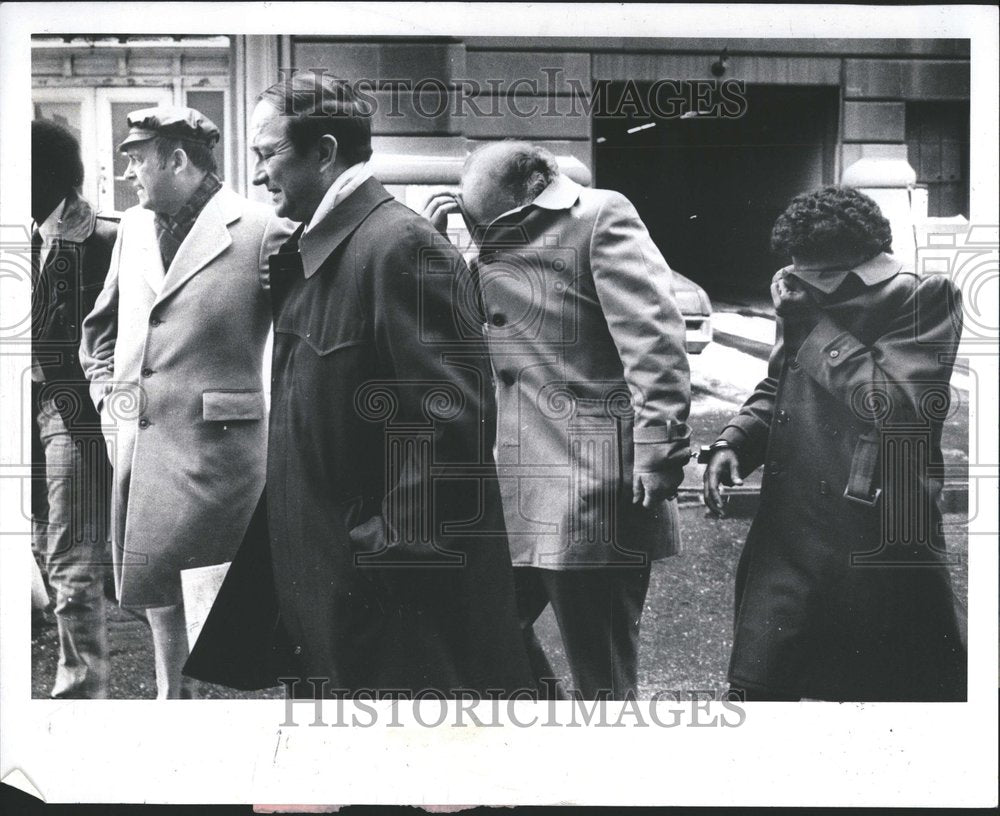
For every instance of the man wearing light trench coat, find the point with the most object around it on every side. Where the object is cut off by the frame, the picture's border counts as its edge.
(593, 394)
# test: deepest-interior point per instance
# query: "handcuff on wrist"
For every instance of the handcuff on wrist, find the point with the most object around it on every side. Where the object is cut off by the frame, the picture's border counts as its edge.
(707, 451)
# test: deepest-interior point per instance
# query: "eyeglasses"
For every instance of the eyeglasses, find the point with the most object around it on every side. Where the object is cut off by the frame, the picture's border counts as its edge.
(264, 159)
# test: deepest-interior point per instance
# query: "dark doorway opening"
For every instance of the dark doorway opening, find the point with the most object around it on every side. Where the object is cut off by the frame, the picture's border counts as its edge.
(709, 187)
(937, 141)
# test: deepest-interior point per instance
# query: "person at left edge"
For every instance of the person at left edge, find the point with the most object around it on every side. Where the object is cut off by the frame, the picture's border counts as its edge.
(384, 554)
(71, 250)
(173, 350)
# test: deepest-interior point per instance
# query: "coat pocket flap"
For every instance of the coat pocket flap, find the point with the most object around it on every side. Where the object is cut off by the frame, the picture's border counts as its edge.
(232, 405)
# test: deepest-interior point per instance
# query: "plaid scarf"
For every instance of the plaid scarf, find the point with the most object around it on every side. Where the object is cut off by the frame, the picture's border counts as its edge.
(172, 230)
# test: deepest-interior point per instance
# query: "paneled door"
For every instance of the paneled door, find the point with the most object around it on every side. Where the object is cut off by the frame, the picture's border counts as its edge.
(97, 118)
(73, 108)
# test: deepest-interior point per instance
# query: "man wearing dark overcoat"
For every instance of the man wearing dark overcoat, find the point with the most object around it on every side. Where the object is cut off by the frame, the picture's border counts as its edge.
(843, 591)
(383, 568)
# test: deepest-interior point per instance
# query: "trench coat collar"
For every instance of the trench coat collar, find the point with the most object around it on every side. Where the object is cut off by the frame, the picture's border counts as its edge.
(333, 230)
(208, 238)
(875, 270)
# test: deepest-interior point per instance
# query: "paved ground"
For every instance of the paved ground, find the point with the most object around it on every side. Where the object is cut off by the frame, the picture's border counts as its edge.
(686, 628)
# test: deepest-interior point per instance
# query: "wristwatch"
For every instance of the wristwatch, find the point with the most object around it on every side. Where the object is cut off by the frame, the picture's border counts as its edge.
(707, 450)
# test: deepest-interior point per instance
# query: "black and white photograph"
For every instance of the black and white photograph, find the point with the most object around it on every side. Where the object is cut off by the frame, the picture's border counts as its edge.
(599, 395)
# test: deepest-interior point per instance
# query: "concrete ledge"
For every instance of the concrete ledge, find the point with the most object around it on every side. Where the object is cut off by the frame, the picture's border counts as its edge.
(743, 501)
(755, 348)
(745, 329)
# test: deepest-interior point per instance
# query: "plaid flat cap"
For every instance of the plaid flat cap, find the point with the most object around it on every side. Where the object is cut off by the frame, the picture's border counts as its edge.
(172, 121)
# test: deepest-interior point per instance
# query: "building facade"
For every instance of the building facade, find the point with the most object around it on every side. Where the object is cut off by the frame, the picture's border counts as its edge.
(709, 137)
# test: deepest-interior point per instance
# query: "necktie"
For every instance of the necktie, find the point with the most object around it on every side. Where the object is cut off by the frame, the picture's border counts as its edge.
(36, 255)
(282, 266)
(39, 304)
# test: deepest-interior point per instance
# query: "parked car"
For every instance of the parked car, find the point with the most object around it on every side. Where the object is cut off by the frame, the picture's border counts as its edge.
(696, 309)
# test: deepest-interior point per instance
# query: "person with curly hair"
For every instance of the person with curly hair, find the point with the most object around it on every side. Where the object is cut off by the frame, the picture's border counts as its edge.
(842, 590)
(835, 221)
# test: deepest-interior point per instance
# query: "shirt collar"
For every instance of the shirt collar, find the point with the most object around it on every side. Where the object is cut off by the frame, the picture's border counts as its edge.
(312, 245)
(49, 228)
(875, 270)
(345, 184)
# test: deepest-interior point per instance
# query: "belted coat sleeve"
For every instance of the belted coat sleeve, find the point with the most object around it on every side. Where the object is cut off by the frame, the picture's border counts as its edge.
(633, 286)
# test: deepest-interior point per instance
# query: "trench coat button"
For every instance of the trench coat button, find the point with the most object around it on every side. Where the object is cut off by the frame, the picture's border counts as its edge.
(506, 378)
(298, 650)
(835, 354)
(782, 416)
(155, 321)
(147, 372)
(499, 319)
(144, 423)
(824, 488)
(774, 468)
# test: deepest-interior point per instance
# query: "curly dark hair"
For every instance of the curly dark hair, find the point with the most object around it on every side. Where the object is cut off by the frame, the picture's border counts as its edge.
(831, 221)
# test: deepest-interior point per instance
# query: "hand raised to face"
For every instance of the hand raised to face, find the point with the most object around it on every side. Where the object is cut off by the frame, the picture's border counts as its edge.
(791, 298)
(439, 206)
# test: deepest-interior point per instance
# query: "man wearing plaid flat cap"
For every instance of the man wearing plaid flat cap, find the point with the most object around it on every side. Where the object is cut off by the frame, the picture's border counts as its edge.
(173, 350)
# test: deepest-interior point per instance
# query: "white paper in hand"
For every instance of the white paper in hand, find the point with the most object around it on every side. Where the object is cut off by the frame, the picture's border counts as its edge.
(199, 586)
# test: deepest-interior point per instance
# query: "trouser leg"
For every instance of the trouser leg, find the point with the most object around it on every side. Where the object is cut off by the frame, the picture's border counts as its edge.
(598, 610)
(39, 514)
(532, 598)
(39, 594)
(76, 555)
(170, 651)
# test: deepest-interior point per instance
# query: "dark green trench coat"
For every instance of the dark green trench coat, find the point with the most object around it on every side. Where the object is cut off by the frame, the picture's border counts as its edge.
(842, 589)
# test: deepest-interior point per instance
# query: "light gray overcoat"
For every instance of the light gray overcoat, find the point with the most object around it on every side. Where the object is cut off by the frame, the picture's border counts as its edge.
(174, 361)
(592, 378)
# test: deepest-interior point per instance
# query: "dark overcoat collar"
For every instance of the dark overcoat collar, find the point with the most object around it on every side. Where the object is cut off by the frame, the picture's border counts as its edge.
(323, 239)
